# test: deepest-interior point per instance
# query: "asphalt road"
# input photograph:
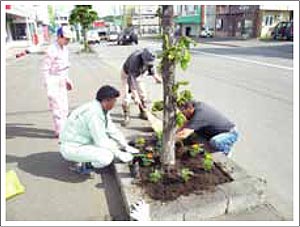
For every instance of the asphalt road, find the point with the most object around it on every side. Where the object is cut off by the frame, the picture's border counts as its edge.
(251, 83)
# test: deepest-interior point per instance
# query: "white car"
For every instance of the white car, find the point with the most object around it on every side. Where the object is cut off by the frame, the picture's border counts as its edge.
(206, 32)
(112, 36)
(92, 37)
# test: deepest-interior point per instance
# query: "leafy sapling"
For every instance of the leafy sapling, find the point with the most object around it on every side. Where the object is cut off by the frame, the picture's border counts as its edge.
(195, 149)
(186, 174)
(207, 161)
(155, 176)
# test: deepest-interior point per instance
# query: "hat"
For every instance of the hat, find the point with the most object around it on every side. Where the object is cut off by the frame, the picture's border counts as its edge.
(107, 92)
(148, 56)
(65, 31)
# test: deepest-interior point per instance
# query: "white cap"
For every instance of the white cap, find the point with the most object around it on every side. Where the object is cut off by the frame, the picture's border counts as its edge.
(65, 31)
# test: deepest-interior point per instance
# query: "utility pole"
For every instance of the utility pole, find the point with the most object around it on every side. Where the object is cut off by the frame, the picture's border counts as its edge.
(123, 17)
(140, 20)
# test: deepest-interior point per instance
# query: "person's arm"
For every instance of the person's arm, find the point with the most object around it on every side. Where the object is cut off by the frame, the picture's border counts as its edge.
(184, 133)
(97, 131)
(115, 134)
(152, 72)
(69, 82)
(47, 64)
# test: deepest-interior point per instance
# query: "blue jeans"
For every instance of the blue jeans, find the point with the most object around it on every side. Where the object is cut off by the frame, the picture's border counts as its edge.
(224, 141)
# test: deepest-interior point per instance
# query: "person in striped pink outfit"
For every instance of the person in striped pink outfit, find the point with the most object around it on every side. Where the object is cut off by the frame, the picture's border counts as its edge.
(56, 79)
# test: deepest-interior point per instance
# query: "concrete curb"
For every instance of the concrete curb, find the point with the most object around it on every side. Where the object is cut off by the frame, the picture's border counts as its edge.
(243, 193)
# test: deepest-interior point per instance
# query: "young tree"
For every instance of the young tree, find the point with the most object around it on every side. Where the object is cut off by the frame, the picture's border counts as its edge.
(159, 15)
(85, 16)
(174, 51)
(168, 75)
(51, 16)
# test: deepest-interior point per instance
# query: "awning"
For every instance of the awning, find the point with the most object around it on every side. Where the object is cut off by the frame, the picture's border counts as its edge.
(191, 19)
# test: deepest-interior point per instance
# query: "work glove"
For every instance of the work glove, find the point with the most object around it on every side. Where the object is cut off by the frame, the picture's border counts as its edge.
(124, 156)
(140, 211)
(131, 149)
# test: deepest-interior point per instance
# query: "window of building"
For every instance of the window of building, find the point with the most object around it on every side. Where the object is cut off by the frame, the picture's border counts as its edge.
(269, 20)
(219, 24)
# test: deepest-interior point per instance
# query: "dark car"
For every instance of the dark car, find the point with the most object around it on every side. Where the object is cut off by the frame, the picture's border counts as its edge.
(283, 30)
(127, 36)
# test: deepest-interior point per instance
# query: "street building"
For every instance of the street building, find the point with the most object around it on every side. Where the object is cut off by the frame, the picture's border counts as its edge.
(26, 25)
(142, 17)
(145, 19)
(188, 19)
(270, 16)
(240, 21)
(191, 19)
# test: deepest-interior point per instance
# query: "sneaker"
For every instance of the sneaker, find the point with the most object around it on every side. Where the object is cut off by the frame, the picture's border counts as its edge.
(229, 154)
(82, 168)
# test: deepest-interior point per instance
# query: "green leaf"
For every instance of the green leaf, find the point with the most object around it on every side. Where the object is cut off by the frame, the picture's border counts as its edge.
(184, 64)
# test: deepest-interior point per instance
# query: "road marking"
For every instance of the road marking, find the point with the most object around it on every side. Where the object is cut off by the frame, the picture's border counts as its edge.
(244, 60)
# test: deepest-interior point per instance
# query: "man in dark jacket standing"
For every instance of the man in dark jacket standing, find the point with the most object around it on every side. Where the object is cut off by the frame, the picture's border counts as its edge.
(134, 67)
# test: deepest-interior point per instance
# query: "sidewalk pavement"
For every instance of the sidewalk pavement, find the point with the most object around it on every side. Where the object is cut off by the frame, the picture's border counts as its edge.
(53, 193)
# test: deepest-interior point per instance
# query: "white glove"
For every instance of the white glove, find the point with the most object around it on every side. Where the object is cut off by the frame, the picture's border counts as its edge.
(124, 156)
(131, 149)
(140, 211)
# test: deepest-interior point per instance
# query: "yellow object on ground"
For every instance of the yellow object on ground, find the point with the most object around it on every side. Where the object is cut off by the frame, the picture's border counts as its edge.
(13, 185)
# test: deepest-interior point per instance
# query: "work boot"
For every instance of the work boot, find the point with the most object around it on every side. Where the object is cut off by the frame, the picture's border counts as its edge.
(126, 111)
(143, 114)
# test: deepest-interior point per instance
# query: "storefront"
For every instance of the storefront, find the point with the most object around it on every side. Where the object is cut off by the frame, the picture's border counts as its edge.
(19, 24)
(238, 21)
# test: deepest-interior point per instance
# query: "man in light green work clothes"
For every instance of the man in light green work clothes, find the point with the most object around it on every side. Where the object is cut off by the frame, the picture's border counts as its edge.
(90, 136)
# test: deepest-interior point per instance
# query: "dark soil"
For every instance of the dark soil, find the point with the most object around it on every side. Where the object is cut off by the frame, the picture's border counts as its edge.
(172, 185)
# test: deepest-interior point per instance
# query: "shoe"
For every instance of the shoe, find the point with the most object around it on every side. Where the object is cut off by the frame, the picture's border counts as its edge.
(229, 155)
(143, 115)
(126, 121)
(82, 168)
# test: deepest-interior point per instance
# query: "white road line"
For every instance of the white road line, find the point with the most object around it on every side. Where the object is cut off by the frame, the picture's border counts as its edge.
(245, 60)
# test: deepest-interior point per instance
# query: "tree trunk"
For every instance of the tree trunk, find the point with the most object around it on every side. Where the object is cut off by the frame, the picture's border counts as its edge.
(168, 74)
(85, 42)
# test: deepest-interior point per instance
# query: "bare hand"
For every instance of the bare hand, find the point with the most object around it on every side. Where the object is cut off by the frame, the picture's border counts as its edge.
(158, 79)
(69, 86)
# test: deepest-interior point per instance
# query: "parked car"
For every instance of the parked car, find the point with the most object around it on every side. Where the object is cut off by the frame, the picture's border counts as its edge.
(112, 36)
(92, 37)
(103, 33)
(283, 30)
(127, 36)
(206, 32)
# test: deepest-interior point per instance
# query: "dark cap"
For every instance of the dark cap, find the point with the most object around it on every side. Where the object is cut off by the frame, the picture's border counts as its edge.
(148, 56)
(107, 92)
